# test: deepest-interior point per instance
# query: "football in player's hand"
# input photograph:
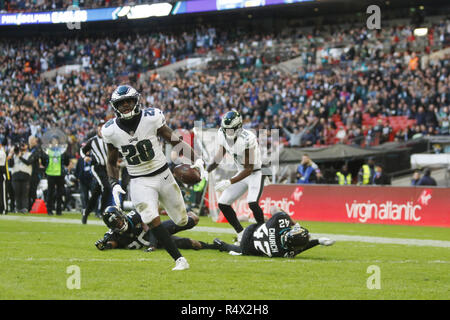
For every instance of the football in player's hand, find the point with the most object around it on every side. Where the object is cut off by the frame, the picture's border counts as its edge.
(186, 174)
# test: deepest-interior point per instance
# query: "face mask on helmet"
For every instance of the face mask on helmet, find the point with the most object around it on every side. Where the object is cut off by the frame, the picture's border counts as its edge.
(231, 124)
(115, 220)
(295, 239)
(125, 102)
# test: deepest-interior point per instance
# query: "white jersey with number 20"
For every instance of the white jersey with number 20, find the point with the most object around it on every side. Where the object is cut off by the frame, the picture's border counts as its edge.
(140, 149)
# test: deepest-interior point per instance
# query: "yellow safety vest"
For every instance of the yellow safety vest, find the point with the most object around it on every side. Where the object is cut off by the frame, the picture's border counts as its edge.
(54, 164)
(199, 186)
(342, 179)
(366, 174)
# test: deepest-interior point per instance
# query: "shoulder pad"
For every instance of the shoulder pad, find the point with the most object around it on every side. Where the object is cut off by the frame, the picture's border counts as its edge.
(107, 124)
(107, 128)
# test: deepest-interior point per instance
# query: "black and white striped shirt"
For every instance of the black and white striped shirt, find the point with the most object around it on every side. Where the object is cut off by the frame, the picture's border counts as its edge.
(97, 148)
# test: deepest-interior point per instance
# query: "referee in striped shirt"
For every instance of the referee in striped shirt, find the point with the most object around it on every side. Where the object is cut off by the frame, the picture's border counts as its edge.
(95, 149)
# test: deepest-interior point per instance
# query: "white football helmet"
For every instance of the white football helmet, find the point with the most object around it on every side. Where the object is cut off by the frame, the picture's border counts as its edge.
(124, 93)
(231, 124)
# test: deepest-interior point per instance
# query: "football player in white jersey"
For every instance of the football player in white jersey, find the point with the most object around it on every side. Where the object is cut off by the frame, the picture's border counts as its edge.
(134, 134)
(243, 145)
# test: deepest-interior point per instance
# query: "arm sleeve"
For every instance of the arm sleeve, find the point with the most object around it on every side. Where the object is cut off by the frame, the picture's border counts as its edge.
(45, 159)
(31, 159)
(86, 148)
(160, 119)
(65, 159)
(78, 169)
(110, 236)
(220, 139)
(307, 175)
(287, 132)
(26, 161)
(251, 142)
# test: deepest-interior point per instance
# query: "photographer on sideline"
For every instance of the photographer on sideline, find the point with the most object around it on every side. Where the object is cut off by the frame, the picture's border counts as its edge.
(21, 168)
(35, 161)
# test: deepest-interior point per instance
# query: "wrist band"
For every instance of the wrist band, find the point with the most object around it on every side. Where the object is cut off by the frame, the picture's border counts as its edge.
(113, 181)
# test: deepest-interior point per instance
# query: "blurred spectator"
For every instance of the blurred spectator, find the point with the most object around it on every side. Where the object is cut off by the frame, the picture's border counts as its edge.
(306, 171)
(344, 177)
(55, 162)
(380, 178)
(415, 178)
(444, 126)
(70, 186)
(426, 179)
(35, 161)
(367, 172)
(84, 177)
(4, 176)
(294, 138)
(21, 175)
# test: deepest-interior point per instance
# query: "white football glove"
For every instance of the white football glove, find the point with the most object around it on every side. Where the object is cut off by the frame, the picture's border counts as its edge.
(117, 189)
(222, 185)
(200, 165)
(326, 241)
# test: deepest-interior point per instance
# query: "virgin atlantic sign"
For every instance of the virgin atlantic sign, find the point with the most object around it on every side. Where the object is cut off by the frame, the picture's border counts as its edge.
(357, 204)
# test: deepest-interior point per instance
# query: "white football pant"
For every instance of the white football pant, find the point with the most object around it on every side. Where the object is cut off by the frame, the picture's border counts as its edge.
(254, 183)
(146, 192)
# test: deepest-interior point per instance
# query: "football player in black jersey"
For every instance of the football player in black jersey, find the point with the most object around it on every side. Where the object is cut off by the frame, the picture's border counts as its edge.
(126, 232)
(280, 236)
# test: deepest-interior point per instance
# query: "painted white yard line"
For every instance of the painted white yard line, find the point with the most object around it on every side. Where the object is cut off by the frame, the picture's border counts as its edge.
(155, 258)
(216, 230)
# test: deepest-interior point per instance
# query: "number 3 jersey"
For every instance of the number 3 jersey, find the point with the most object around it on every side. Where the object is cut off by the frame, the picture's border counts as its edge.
(141, 149)
(265, 239)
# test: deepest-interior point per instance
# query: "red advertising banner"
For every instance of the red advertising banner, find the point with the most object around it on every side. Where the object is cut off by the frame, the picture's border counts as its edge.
(427, 206)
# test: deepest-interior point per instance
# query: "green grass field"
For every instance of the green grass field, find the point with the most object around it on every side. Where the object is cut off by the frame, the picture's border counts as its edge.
(34, 257)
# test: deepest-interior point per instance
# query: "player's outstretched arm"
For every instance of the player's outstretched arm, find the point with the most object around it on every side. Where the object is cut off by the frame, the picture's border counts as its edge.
(217, 159)
(106, 245)
(113, 173)
(185, 149)
(111, 164)
(170, 137)
(248, 167)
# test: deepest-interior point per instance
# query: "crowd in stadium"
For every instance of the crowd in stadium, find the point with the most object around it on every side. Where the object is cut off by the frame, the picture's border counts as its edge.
(325, 101)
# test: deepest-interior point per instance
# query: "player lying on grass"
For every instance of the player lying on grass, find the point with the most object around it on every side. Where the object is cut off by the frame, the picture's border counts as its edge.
(280, 236)
(126, 232)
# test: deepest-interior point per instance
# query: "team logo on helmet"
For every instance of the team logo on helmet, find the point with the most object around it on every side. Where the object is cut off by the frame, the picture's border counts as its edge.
(125, 102)
(231, 124)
